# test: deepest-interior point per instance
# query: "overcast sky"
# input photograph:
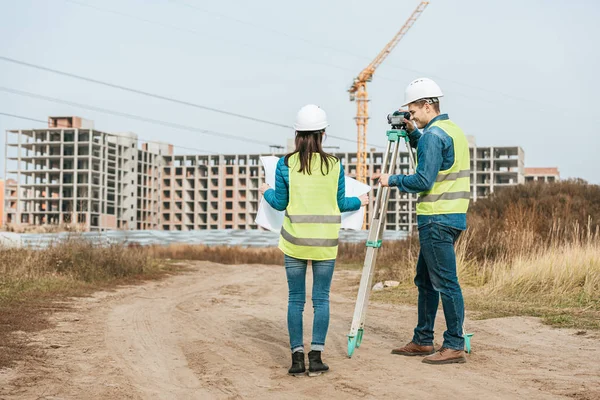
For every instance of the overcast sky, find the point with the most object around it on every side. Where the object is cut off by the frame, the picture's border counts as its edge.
(514, 73)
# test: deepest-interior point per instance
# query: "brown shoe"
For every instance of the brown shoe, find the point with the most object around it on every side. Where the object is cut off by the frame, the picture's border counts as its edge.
(413, 349)
(446, 356)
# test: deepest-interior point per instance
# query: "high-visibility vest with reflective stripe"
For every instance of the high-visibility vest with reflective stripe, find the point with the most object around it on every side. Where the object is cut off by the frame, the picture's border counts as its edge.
(312, 219)
(450, 193)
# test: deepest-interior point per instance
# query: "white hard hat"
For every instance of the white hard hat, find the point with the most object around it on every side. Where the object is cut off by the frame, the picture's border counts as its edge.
(422, 88)
(311, 118)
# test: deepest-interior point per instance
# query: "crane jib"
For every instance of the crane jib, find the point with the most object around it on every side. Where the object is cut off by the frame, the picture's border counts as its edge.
(358, 92)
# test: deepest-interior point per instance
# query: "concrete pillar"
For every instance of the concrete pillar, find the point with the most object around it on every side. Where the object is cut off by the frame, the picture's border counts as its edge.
(75, 177)
(61, 166)
(89, 184)
(19, 200)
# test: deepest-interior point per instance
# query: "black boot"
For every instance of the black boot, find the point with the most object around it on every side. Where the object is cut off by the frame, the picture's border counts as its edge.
(315, 364)
(297, 367)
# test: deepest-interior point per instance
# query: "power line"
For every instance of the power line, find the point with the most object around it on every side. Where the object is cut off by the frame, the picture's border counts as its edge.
(133, 116)
(264, 28)
(347, 52)
(144, 93)
(197, 33)
(312, 43)
(128, 89)
(315, 44)
(267, 29)
(194, 32)
(268, 51)
(112, 134)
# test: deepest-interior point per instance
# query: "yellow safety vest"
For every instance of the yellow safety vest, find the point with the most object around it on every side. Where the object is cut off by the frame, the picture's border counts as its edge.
(450, 193)
(312, 219)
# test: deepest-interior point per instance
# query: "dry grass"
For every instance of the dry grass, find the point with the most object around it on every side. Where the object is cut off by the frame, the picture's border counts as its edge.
(219, 254)
(557, 280)
(561, 271)
(529, 250)
(349, 253)
(33, 284)
(22, 228)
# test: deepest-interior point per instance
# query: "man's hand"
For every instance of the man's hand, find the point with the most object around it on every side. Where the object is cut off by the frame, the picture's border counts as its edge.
(409, 124)
(384, 180)
(263, 188)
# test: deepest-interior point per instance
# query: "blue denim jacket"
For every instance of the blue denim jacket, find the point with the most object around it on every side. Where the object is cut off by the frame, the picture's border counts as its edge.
(435, 152)
(279, 197)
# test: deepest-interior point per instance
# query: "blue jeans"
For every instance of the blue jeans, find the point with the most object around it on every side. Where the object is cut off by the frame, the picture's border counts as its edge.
(436, 275)
(295, 270)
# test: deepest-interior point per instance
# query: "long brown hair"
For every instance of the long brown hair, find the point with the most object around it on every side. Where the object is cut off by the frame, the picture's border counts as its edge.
(308, 143)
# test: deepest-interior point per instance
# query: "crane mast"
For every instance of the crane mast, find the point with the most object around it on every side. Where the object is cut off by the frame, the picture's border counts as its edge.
(358, 92)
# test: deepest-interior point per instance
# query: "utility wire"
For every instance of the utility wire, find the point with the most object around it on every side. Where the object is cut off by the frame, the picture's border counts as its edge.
(204, 35)
(112, 134)
(344, 51)
(316, 44)
(312, 43)
(263, 28)
(133, 116)
(157, 96)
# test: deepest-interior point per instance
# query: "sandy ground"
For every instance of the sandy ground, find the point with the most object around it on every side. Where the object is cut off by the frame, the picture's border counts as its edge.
(219, 332)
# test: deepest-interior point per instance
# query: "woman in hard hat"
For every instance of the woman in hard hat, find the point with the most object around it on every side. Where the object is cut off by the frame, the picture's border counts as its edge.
(310, 187)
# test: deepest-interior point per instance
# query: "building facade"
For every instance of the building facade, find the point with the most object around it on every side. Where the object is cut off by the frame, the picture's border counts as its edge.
(70, 173)
(3, 202)
(546, 175)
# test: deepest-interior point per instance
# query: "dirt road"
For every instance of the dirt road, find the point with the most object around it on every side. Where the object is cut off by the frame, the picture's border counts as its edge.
(219, 332)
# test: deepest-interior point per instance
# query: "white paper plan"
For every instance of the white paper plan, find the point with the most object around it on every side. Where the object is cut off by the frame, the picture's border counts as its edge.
(268, 217)
(354, 219)
(271, 219)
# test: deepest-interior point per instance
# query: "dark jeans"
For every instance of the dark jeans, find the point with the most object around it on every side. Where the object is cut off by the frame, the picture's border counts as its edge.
(295, 270)
(436, 275)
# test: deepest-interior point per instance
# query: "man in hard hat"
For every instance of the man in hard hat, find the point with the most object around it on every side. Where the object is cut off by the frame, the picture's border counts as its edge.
(442, 180)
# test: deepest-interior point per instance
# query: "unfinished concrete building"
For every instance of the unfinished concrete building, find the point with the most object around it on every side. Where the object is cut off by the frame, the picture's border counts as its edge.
(495, 168)
(70, 173)
(210, 192)
(221, 191)
(3, 202)
(546, 175)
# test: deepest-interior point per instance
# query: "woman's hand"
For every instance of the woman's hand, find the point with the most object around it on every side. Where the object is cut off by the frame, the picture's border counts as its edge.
(263, 188)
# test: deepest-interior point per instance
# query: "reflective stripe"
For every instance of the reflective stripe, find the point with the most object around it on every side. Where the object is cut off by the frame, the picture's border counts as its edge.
(314, 219)
(308, 242)
(430, 198)
(311, 231)
(453, 176)
(450, 192)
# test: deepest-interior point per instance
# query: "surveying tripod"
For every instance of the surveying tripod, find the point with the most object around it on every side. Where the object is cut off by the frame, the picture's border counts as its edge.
(374, 239)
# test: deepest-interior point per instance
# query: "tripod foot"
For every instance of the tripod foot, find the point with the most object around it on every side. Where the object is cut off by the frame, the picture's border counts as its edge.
(351, 345)
(359, 337)
(468, 337)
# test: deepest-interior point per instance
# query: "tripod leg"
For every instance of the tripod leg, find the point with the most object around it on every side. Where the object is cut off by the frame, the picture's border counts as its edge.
(374, 242)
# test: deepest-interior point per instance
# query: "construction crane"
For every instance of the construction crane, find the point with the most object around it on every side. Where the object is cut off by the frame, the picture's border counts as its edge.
(358, 92)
